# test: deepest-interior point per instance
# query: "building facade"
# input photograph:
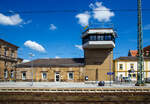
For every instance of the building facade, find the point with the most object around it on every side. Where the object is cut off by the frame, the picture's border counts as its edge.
(8, 60)
(146, 52)
(52, 70)
(126, 67)
(98, 44)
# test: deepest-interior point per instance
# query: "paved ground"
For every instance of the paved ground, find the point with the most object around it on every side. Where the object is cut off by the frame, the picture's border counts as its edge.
(65, 85)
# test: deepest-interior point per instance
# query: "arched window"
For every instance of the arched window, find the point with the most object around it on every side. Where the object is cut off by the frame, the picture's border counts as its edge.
(5, 73)
(12, 74)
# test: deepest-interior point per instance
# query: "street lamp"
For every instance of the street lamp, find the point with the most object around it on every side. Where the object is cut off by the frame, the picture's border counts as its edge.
(31, 55)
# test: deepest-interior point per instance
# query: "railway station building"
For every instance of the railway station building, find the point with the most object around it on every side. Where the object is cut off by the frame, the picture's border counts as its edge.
(97, 43)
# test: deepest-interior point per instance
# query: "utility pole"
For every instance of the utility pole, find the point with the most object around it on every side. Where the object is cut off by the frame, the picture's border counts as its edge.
(140, 65)
(31, 55)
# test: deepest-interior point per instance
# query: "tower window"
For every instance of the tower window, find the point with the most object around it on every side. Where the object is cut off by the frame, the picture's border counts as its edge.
(100, 37)
(93, 37)
(107, 37)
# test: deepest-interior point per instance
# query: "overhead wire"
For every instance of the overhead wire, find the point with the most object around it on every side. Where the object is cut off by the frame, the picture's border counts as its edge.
(69, 11)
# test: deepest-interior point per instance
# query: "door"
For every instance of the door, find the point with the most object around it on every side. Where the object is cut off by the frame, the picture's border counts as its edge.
(57, 77)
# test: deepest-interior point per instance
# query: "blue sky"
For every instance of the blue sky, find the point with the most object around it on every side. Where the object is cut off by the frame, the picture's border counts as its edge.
(58, 34)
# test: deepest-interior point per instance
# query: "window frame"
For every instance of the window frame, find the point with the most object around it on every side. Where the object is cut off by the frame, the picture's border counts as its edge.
(12, 73)
(132, 66)
(69, 75)
(43, 75)
(24, 78)
(120, 68)
(5, 73)
(12, 53)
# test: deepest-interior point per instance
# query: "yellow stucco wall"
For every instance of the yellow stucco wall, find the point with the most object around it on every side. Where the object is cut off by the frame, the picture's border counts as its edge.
(78, 73)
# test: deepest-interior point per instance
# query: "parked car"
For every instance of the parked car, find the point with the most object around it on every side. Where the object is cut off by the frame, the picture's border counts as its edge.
(101, 83)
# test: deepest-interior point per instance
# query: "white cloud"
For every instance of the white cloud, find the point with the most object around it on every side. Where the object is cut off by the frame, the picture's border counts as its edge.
(24, 23)
(24, 61)
(83, 18)
(79, 47)
(27, 22)
(146, 27)
(57, 57)
(34, 45)
(101, 13)
(52, 27)
(10, 20)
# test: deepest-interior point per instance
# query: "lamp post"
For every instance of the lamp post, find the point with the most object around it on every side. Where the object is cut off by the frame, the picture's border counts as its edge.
(31, 55)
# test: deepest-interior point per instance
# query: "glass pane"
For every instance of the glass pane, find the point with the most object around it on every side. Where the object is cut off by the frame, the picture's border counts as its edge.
(44, 75)
(107, 37)
(71, 75)
(94, 37)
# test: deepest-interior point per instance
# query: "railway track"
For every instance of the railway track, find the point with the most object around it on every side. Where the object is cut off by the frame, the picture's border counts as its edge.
(75, 95)
(76, 90)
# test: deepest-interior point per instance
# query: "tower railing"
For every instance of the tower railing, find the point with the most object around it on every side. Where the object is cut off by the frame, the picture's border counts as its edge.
(97, 25)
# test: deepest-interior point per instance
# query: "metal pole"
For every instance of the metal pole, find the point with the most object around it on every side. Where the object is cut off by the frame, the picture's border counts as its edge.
(140, 48)
(32, 73)
(110, 68)
(31, 55)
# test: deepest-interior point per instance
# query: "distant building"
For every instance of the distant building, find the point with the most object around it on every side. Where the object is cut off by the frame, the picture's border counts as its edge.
(134, 53)
(127, 67)
(98, 44)
(8, 60)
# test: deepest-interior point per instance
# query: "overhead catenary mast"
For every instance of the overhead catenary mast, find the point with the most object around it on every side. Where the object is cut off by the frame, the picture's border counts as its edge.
(140, 65)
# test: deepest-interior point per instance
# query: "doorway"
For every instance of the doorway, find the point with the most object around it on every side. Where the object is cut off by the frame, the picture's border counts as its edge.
(57, 77)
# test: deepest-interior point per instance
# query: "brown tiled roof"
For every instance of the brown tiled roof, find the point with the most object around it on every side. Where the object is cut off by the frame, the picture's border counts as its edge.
(1, 40)
(135, 52)
(130, 58)
(62, 62)
(132, 53)
(146, 48)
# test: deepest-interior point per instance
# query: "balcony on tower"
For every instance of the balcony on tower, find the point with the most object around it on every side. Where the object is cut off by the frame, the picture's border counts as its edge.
(99, 38)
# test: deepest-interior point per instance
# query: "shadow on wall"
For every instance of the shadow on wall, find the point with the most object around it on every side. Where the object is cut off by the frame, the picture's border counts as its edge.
(97, 56)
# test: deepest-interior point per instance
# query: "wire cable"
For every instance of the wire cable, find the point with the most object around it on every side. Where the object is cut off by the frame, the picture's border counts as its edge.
(69, 11)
